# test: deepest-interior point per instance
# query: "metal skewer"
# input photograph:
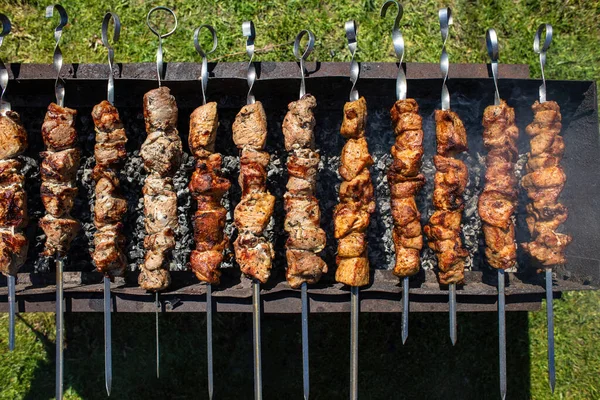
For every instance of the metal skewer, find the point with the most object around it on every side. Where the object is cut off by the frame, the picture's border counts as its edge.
(491, 39)
(304, 287)
(445, 16)
(59, 91)
(110, 96)
(4, 107)
(549, 296)
(209, 306)
(250, 34)
(350, 28)
(401, 89)
(160, 73)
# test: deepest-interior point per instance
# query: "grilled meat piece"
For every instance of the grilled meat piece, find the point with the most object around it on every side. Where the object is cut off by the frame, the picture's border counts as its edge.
(451, 177)
(13, 138)
(60, 166)
(13, 251)
(299, 124)
(58, 129)
(352, 215)
(109, 250)
(405, 182)
(13, 206)
(253, 252)
(60, 232)
(544, 181)
(58, 198)
(161, 152)
(111, 139)
(498, 201)
(110, 206)
(303, 266)
(250, 127)
(204, 122)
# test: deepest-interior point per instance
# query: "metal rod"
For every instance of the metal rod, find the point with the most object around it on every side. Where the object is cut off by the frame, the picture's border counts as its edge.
(350, 28)
(542, 52)
(160, 70)
(354, 311)
(550, 327)
(445, 16)
(502, 333)
(250, 34)
(405, 308)
(204, 54)
(452, 301)
(57, 58)
(6, 28)
(59, 329)
(11, 312)
(398, 42)
(209, 340)
(156, 309)
(256, 337)
(310, 45)
(305, 354)
(107, 337)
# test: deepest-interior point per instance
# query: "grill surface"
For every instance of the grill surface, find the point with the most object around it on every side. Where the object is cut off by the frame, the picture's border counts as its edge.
(471, 91)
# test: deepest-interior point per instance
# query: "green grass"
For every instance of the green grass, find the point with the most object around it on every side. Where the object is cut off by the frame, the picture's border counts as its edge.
(427, 367)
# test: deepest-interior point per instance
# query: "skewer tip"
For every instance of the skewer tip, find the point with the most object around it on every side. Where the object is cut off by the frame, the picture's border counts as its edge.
(405, 308)
(452, 299)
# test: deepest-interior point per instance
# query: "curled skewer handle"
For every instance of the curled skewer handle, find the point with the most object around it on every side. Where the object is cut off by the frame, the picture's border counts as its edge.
(4, 105)
(250, 34)
(310, 45)
(204, 54)
(57, 59)
(491, 41)
(110, 95)
(445, 16)
(398, 42)
(542, 52)
(350, 28)
(159, 52)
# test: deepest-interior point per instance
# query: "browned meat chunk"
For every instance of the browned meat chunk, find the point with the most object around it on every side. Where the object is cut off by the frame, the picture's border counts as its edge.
(355, 119)
(60, 166)
(160, 110)
(355, 157)
(250, 127)
(299, 123)
(59, 234)
(254, 254)
(253, 212)
(58, 129)
(205, 265)
(303, 266)
(204, 122)
(13, 252)
(13, 138)
(450, 133)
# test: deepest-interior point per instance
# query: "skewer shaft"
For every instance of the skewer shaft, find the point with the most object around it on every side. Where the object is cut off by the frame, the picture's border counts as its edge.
(305, 360)
(502, 332)
(156, 308)
(256, 337)
(452, 300)
(405, 308)
(550, 323)
(354, 310)
(209, 340)
(11, 312)
(107, 337)
(59, 329)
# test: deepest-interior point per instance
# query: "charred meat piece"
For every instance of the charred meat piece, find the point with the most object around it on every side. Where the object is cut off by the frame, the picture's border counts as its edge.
(58, 129)
(253, 252)
(544, 181)
(450, 133)
(13, 251)
(60, 232)
(352, 215)
(111, 139)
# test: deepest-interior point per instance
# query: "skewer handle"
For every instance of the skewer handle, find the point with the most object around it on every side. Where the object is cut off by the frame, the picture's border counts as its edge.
(355, 309)
(256, 337)
(59, 329)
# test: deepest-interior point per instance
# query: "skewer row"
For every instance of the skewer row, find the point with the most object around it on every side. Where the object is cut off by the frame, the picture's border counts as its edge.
(254, 252)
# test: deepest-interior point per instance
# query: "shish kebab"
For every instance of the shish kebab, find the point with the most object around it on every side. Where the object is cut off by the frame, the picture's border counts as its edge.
(109, 206)
(404, 176)
(58, 170)
(13, 203)
(253, 251)
(544, 181)
(451, 177)
(302, 219)
(352, 215)
(161, 153)
(207, 187)
(498, 201)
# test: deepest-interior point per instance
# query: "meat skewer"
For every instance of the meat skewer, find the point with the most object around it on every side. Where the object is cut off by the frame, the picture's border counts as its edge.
(208, 187)
(58, 168)
(351, 216)
(161, 153)
(253, 251)
(404, 176)
(443, 230)
(110, 206)
(13, 204)
(544, 181)
(302, 221)
(498, 200)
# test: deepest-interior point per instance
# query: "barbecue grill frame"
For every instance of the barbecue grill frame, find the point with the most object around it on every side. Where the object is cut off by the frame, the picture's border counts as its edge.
(83, 290)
